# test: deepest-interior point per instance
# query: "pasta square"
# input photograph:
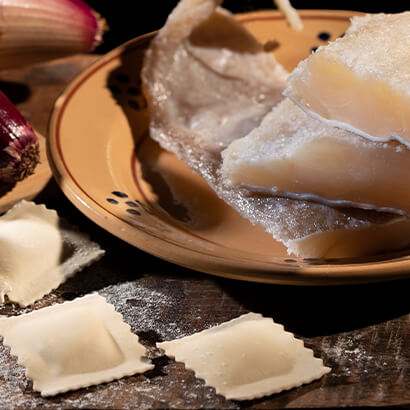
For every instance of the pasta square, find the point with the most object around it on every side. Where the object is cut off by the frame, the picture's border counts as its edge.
(247, 358)
(74, 344)
(38, 252)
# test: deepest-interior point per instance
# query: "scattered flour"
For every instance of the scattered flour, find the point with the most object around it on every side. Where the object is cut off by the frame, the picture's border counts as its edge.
(147, 311)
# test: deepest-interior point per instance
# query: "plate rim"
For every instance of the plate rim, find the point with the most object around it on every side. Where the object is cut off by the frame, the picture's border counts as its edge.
(266, 272)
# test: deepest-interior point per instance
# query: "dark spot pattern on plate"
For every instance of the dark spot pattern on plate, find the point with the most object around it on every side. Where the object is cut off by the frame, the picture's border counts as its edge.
(135, 207)
(122, 78)
(134, 104)
(324, 36)
(114, 89)
(120, 194)
(133, 91)
(138, 104)
(270, 45)
(144, 207)
(127, 91)
(313, 49)
(133, 211)
(132, 204)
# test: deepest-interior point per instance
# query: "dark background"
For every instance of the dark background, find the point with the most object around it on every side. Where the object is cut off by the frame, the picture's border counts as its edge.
(130, 18)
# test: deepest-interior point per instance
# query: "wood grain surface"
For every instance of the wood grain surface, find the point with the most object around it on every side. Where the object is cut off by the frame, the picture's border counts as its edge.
(361, 332)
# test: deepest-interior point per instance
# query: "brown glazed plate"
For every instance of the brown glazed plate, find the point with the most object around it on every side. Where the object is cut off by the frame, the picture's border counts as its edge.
(104, 161)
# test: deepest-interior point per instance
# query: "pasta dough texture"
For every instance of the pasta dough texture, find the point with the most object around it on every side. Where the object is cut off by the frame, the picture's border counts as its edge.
(74, 344)
(38, 252)
(247, 358)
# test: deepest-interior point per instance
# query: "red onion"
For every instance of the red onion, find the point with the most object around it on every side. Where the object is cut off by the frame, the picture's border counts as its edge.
(40, 30)
(19, 147)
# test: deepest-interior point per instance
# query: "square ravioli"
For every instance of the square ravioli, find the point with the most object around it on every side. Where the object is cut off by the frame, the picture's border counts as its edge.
(246, 358)
(28, 232)
(74, 344)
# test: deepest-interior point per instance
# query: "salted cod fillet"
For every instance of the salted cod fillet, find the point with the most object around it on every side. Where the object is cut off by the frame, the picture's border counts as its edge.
(304, 158)
(361, 81)
(209, 82)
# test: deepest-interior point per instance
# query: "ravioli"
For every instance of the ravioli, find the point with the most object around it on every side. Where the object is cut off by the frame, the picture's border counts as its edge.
(361, 82)
(247, 358)
(38, 252)
(74, 344)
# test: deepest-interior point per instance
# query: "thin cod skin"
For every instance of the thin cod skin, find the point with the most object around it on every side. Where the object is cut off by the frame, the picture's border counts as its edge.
(204, 91)
(206, 75)
(361, 82)
(296, 155)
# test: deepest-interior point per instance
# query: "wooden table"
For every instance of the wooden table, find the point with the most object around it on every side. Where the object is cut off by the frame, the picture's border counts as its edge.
(361, 332)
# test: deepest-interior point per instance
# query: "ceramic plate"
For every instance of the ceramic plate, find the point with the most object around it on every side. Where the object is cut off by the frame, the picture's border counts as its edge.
(116, 175)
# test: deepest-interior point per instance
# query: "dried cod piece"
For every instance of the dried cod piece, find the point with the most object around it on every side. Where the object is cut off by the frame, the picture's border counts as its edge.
(298, 156)
(74, 344)
(189, 100)
(361, 82)
(38, 252)
(247, 358)
(206, 76)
